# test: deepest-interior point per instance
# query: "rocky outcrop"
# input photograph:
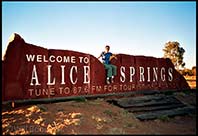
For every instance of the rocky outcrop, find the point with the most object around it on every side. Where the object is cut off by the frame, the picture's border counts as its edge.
(33, 72)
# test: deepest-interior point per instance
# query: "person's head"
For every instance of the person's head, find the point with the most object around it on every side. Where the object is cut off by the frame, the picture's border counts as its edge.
(107, 47)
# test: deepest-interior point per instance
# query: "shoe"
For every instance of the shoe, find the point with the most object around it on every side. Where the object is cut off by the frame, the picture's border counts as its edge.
(107, 81)
(112, 81)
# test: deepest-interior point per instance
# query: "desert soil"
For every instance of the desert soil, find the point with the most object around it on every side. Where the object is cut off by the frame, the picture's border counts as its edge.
(91, 117)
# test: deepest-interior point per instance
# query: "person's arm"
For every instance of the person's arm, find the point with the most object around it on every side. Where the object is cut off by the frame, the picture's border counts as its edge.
(100, 55)
(113, 56)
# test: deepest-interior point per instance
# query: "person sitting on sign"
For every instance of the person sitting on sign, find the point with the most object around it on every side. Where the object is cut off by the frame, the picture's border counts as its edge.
(111, 69)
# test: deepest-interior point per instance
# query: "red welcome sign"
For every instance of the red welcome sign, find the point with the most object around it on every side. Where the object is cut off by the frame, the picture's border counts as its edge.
(33, 72)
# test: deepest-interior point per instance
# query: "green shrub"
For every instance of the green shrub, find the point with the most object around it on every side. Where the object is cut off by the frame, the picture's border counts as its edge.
(42, 108)
(80, 99)
(169, 93)
(108, 112)
(164, 118)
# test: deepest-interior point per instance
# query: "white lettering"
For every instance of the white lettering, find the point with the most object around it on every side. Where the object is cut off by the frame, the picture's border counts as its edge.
(148, 70)
(50, 58)
(155, 69)
(66, 59)
(71, 73)
(170, 73)
(122, 72)
(63, 74)
(49, 76)
(86, 75)
(81, 58)
(163, 74)
(45, 59)
(39, 58)
(73, 59)
(34, 76)
(132, 73)
(141, 74)
(59, 59)
(86, 60)
(30, 57)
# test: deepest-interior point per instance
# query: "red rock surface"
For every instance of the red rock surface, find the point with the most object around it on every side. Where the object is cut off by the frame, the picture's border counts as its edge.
(17, 74)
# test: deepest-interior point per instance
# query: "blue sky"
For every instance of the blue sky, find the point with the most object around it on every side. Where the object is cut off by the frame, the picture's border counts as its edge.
(136, 28)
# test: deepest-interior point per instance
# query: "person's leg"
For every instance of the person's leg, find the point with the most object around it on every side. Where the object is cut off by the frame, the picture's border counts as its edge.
(109, 72)
(114, 72)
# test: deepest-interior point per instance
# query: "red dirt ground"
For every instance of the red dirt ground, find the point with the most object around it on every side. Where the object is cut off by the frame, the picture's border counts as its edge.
(91, 117)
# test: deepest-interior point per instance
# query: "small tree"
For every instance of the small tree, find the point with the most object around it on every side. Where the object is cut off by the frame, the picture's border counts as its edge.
(175, 53)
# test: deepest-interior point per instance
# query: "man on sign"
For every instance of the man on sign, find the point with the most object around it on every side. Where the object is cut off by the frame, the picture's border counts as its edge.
(111, 69)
